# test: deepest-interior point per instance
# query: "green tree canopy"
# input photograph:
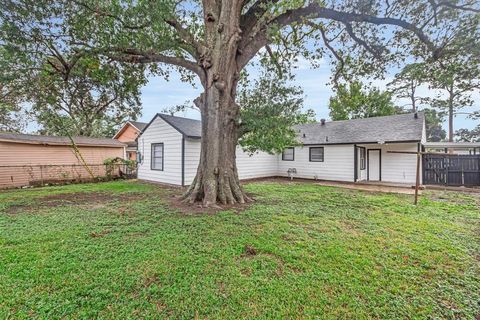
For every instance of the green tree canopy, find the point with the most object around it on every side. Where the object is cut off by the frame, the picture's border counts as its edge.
(472, 135)
(355, 101)
(12, 118)
(270, 107)
(93, 98)
(467, 135)
(433, 125)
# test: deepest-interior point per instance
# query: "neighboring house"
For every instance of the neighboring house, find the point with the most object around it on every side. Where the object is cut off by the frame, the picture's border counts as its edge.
(350, 150)
(30, 159)
(128, 134)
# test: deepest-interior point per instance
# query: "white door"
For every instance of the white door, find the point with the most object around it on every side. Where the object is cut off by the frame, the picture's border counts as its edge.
(374, 164)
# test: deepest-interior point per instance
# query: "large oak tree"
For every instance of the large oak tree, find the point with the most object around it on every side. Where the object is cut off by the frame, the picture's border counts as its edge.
(215, 40)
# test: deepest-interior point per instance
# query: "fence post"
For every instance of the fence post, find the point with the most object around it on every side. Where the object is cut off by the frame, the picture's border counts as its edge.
(41, 175)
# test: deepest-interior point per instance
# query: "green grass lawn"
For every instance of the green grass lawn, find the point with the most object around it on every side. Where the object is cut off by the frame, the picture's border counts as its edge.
(116, 250)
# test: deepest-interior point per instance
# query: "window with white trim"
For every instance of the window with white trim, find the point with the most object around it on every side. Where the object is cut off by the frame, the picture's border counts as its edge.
(157, 157)
(316, 154)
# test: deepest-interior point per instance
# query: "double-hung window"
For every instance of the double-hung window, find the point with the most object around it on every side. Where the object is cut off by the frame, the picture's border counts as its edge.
(157, 157)
(288, 154)
(316, 154)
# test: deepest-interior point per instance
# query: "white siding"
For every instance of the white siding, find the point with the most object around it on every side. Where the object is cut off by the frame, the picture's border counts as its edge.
(398, 167)
(259, 165)
(161, 132)
(338, 163)
(192, 157)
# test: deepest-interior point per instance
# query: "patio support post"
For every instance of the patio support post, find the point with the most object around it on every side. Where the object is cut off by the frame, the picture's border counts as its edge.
(417, 180)
(355, 163)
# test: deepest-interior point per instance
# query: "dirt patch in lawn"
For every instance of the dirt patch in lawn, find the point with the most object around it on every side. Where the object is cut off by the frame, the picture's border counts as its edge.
(89, 199)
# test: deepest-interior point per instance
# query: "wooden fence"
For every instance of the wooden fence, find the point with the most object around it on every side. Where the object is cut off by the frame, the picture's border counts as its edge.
(451, 169)
(40, 175)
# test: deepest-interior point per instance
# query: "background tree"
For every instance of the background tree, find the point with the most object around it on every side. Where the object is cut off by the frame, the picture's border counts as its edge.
(12, 118)
(457, 82)
(433, 125)
(12, 115)
(405, 85)
(472, 135)
(215, 40)
(93, 98)
(354, 101)
(467, 135)
(269, 109)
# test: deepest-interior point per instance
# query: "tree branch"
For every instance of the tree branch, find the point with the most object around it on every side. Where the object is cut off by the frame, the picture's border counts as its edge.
(99, 12)
(250, 19)
(361, 42)
(314, 11)
(336, 55)
(451, 5)
(131, 55)
(274, 60)
(186, 36)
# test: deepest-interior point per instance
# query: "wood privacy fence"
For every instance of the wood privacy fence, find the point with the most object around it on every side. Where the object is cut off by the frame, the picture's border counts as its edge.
(451, 169)
(40, 175)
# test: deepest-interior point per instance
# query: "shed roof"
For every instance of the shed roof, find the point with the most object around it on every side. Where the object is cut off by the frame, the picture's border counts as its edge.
(54, 140)
(395, 128)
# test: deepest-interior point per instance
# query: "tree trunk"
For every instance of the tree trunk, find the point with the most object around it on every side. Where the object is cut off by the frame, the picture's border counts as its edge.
(450, 114)
(217, 176)
(450, 123)
(412, 96)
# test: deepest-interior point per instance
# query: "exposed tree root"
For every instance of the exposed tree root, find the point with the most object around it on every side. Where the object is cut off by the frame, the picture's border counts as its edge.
(222, 189)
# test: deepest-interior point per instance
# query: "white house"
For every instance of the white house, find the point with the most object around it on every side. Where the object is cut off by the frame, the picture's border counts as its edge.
(350, 150)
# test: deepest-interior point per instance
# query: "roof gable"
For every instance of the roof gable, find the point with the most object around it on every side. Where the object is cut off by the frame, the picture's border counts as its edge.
(138, 126)
(190, 128)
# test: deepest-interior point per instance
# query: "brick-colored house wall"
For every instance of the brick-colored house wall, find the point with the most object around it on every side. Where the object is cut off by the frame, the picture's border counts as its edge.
(128, 134)
(19, 161)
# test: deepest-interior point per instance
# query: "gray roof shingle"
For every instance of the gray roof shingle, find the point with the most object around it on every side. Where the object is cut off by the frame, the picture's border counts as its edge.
(396, 128)
(139, 125)
(191, 128)
(54, 140)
